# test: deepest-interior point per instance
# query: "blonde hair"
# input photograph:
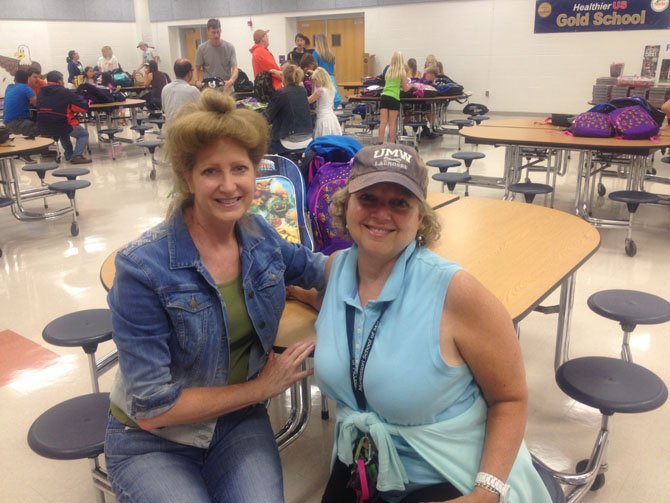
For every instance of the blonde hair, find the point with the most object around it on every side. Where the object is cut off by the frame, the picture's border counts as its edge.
(198, 125)
(292, 74)
(431, 60)
(320, 78)
(321, 47)
(429, 228)
(397, 68)
(440, 68)
(106, 49)
(431, 69)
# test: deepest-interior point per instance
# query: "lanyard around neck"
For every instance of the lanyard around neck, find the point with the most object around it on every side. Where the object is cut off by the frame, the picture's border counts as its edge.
(357, 374)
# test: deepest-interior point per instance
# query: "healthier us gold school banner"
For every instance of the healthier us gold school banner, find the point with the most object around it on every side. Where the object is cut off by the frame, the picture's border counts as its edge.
(557, 16)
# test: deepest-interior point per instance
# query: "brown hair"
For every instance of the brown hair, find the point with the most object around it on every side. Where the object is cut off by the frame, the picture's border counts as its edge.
(429, 228)
(198, 125)
(292, 74)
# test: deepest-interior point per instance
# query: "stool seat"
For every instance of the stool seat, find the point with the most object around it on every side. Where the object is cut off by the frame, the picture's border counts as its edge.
(451, 179)
(461, 123)
(80, 328)
(443, 164)
(478, 119)
(71, 173)
(152, 145)
(530, 189)
(630, 307)
(633, 196)
(40, 168)
(69, 186)
(5, 201)
(110, 131)
(74, 429)
(468, 156)
(611, 385)
(141, 127)
(665, 159)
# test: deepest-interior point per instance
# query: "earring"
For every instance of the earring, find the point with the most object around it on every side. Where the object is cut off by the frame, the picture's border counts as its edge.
(420, 240)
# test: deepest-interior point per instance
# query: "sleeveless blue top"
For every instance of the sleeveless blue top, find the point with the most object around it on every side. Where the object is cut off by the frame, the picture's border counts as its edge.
(433, 413)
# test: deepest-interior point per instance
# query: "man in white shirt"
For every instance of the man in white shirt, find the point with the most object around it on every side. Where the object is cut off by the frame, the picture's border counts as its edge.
(216, 58)
(179, 92)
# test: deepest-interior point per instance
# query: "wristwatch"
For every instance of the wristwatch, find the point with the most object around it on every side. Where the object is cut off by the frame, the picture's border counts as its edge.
(493, 484)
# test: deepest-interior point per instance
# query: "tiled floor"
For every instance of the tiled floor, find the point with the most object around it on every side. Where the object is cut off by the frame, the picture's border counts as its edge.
(45, 273)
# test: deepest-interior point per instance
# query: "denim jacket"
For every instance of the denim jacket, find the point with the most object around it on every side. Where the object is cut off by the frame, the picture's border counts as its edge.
(170, 322)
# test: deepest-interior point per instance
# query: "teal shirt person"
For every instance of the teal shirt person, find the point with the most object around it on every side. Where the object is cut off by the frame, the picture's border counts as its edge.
(427, 417)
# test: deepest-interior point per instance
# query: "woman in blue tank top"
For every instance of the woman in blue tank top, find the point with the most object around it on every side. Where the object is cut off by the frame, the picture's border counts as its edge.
(422, 360)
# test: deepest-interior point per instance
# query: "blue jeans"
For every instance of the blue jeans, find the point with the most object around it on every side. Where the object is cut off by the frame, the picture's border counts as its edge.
(241, 464)
(81, 135)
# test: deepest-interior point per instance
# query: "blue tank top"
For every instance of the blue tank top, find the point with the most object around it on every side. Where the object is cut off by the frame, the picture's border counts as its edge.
(406, 382)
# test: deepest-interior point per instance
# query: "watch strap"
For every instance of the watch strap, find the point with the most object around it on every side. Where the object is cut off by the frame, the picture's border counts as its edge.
(492, 484)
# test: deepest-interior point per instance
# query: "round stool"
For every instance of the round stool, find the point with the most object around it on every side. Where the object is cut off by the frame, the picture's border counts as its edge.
(74, 429)
(159, 121)
(41, 170)
(460, 124)
(530, 190)
(630, 308)
(86, 328)
(633, 199)
(451, 179)
(69, 188)
(71, 173)
(478, 119)
(110, 132)
(443, 164)
(468, 158)
(141, 129)
(609, 385)
(151, 146)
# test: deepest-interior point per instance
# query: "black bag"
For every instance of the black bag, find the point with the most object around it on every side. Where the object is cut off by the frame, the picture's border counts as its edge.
(263, 88)
(95, 95)
(212, 82)
(243, 84)
(475, 109)
(118, 95)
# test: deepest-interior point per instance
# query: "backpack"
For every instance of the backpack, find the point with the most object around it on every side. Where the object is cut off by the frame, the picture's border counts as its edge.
(448, 89)
(657, 115)
(275, 200)
(372, 91)
(243, 84)
(122, 79)
(475, 109)
(330, 178)
(592, 125)
(94, 94)
(633, 123)
(263, 88)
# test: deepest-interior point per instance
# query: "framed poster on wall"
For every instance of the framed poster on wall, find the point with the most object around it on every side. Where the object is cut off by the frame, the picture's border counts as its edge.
(650, 61)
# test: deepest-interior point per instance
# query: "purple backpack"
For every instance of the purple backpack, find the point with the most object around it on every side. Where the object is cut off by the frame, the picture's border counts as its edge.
(592, 125)
(633, 123)
(330, 178)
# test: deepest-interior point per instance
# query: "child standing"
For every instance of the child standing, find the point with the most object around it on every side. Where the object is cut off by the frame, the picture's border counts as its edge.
(389, 104)
(324, 95)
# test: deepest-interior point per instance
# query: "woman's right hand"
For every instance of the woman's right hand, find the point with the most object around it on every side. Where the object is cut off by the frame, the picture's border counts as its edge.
(281, 371)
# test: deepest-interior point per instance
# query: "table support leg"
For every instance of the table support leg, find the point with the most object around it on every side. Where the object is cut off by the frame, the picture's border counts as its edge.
(564, 316)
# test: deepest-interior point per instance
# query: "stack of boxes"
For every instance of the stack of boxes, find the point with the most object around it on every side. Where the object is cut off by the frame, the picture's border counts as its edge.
(659, 95)
(602, 90)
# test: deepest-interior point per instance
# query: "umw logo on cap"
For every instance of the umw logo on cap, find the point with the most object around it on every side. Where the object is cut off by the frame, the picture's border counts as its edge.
(395, 153)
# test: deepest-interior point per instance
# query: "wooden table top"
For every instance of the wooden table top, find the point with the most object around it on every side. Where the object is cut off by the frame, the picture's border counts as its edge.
(22, 145)
(438, 199)
(361, 98)
(547, 137)
(522, 122)
(130, 102)
(521, 252)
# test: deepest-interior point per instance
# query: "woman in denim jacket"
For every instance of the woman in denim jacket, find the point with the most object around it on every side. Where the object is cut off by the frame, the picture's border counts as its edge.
(196, 304)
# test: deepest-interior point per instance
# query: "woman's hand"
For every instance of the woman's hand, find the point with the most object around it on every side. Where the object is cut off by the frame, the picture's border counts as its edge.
(281, 371)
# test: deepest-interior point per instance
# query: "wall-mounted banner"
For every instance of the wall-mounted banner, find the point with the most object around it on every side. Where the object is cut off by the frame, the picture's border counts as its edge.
(558, 16)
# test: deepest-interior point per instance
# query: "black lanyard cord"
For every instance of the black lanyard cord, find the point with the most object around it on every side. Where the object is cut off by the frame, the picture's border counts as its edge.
(357, 374)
